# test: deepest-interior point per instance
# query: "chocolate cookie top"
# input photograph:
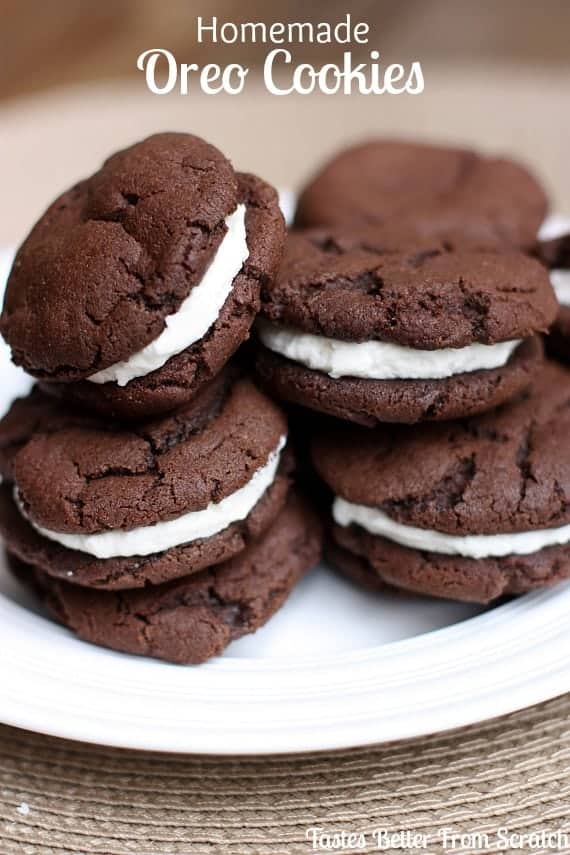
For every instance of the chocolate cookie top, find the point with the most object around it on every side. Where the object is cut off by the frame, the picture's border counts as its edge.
(426, 190)
(113, 256)
(41, 412)
(27, 416)
(88, 479)
(506, 471)
(358, 288)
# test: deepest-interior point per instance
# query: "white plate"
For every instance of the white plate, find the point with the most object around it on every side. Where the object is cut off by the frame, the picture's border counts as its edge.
(335, 668)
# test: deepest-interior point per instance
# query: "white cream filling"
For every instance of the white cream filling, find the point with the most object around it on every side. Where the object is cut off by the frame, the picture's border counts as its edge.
(379, 360)
(196, 314)
(554, 227)
(470, 546)
(146, 540)
(560, 280)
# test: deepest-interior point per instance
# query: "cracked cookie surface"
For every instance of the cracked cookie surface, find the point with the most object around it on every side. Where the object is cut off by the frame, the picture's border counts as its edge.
(506, 471)
(195, 618)
(359, 288)
(355, 285)
(119, 252)
(426, 190)
(87, 480)
(89, 476)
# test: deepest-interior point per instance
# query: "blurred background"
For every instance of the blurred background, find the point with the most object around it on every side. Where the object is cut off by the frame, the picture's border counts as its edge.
(497, 75)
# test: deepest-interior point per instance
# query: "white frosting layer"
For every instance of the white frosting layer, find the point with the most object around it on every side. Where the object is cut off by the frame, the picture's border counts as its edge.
(379, 360)
(470, 546)
(561, 283)
(196, 314)
(146, 540)
(551, 228)
(554, 226)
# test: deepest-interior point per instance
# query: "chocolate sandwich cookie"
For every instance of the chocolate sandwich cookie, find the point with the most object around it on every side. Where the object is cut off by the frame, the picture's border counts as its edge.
(194, 618)
(554, 251)
(106, 506)
(138, 284)
(426, 191)
(370, 332)
(467, 510)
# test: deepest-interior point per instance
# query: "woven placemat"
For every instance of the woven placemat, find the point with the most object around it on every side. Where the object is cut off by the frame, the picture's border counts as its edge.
(63, 797)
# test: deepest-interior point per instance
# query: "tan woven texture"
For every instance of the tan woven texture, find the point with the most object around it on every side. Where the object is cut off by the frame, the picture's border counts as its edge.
(62, 797)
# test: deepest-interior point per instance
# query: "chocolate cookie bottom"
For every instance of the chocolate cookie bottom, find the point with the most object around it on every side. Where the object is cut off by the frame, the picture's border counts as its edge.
(369, 402)
(375, 562)
(193, 618)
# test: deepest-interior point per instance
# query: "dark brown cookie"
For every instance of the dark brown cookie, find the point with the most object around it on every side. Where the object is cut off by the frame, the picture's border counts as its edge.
(429, 296)
(350, 285)
(354, 567)
(368, 402)
(89, 479)
(426, 190)
(84, 480)
(42, 413)
(503, 473)
(29, 415)
(86, 570)
(374, 563)
(192, 619)
(118, 253)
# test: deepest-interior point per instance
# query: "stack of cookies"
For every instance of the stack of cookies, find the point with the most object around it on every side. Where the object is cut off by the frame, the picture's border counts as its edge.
(147, 482)
(409, 313)
(148, 489)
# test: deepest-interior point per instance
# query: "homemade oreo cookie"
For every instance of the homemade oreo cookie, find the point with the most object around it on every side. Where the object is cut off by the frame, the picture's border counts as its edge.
(426, 191)
(113, 507)
(371, 332)
(138, 284)
(468, 510)
(196, 617)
